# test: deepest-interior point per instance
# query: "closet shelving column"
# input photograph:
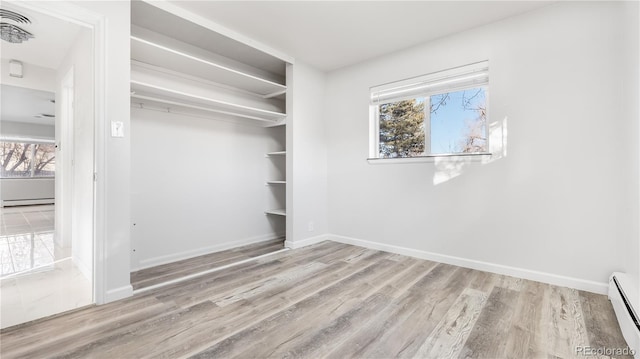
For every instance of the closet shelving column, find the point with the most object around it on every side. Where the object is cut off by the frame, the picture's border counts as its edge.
(278, 160)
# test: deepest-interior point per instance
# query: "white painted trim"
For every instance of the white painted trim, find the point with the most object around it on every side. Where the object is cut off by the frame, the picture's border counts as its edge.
(14, 138)
(100, 293)
(174, 257)
(306, 242)
(550, 278)
(26, 202)
(457, 158)
(118, 293)
(288, 151)
(212, 270)
(628, 328)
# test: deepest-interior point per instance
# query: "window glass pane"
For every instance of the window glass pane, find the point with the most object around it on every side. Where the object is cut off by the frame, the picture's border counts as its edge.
(402, 128)
(27, 159)
(44, 163)
(16, 159)
(458, 122)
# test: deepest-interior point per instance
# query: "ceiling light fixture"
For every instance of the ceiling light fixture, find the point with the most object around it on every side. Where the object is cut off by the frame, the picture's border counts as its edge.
(13, 33)
(14, 16)
(44, 115)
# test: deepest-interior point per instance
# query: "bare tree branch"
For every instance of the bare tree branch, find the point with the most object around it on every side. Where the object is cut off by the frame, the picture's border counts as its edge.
(442, 101)
(23, 158)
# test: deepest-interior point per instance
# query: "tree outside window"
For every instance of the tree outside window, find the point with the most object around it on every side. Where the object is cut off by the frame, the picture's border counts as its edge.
(455, 123)
(25, 159)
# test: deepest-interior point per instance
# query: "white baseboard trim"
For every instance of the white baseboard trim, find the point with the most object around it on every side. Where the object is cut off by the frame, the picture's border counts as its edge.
(118, 293)
(559, 280)
(174, 257)
(26, 202)
(305, 242)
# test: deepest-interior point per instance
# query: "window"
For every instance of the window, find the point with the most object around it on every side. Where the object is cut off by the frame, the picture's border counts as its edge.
(27, 159)
(443, 113)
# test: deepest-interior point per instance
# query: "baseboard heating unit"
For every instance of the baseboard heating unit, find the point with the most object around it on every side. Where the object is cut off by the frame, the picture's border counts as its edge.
(623, 293)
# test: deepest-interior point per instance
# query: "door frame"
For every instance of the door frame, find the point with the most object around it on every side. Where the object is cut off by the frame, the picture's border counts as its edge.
(64, 168)
(97, 24)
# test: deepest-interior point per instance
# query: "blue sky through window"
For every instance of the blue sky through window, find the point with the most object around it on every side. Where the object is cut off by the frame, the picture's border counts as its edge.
(453, 120)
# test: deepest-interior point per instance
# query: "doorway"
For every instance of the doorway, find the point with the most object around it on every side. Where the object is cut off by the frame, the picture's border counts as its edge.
(57, 58)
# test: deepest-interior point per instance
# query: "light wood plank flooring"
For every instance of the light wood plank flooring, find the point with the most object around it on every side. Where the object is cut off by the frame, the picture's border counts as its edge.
(150, 276)
(331, 300)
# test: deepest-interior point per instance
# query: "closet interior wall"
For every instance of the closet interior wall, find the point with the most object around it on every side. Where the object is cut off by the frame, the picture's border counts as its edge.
(208, 139)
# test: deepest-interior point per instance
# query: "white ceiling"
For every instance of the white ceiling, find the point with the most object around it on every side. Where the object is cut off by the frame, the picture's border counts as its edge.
(53, 39)
(21, 104)
(334, 34)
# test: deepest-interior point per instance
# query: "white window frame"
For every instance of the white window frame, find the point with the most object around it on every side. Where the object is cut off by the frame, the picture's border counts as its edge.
(30, 141)
(460, 78)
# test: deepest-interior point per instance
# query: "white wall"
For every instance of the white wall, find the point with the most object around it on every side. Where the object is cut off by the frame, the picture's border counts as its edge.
(113, 186)
(198, 186)
(307, 148)
(33, 77)
(76, 159)
(559, 201)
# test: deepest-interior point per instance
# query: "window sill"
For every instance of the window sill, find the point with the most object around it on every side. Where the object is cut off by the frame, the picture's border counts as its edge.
(29, 178)
(469, 157)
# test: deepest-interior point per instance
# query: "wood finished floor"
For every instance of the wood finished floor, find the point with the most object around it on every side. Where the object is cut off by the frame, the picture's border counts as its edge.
(151, 276)
(331, 300)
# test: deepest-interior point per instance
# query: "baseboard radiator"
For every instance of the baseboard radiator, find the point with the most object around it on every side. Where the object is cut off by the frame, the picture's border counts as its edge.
(623, 293)
(26, 191)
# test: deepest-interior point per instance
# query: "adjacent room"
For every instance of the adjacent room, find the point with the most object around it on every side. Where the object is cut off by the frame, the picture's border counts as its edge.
(354, 179)
(45, 195)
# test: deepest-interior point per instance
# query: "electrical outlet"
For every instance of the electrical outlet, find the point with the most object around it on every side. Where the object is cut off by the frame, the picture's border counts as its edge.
(310, 227)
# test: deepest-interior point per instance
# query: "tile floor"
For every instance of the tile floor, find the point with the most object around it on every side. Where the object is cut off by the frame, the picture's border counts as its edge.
(37, 278)
(26, 239)
(21, 219)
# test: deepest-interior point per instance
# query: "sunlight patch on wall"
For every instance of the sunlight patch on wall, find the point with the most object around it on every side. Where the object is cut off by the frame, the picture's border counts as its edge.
(497, 141)
(451, 167)
(448, 168)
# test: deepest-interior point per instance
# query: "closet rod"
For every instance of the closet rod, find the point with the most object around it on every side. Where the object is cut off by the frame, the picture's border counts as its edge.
(165, 90)
(201, 108)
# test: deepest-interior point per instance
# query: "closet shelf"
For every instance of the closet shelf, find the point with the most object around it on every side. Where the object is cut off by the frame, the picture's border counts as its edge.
(276, 182)
(159, 94)
(278, 153)
(156, 54)
(277, 212)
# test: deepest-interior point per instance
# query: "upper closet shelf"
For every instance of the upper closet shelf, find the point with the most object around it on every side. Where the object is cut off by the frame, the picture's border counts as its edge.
(173, 55)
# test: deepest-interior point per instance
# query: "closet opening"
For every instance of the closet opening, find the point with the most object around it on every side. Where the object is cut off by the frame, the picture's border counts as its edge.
(208, 148)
